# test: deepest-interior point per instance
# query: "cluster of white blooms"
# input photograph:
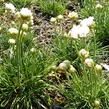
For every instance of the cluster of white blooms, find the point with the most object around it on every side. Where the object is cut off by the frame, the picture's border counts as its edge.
(10, 7)
(81, 30)
(78, 31)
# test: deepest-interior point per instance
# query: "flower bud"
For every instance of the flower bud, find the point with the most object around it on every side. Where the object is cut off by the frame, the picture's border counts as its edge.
(98, 68)
(13, 31)
(73, 15)
(17, 14)
(89, 62)
(62, 66)
(83, 53)
(24, 27)
(53, 20)
(72, 69)
(67, 62)
(11, 41)
(33, 50)
(96, 103)
(24, 34)
(99, 6)
(60, 17)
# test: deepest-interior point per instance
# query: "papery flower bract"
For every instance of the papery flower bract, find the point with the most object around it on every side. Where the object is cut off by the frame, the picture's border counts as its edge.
(83, 53)
(89, 62)
(10, 7)
(53, 20)
(73, 15)
(60, 17)
(11, 41)
(98, 68)
(99, 6)
(26, 14)
(13, 31)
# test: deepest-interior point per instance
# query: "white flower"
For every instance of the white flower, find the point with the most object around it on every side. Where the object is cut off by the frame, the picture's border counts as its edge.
(62, 66)
(26, 13)
(83, 31)
(53, 20)
(98, 68)
(24, 34)
(89, 62)
(73, 15)
(10, 7)
(88, 22)
(83, 53)
(99, 6)
(13, 31)
(11, 41)
(73, 33)
(79, 31)
(60, 17)
(25, 27)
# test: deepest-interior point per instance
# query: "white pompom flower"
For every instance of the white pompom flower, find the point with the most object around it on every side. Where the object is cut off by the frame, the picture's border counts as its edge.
(10, 7)
(26, 14)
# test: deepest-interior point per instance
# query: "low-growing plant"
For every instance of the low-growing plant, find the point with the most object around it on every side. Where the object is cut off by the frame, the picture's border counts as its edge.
(52, 7)
(100, 11)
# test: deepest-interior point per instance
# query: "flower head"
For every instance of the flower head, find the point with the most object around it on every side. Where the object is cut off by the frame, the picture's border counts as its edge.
(99, 6)
(98, 68)
(24, 27)
(60, 17)
(13, 31)
(10, 7)
(73, 15)
(25, 14)
(53, 20)
(89, 62)
(83, 53)
(11, 41)
(88, 22)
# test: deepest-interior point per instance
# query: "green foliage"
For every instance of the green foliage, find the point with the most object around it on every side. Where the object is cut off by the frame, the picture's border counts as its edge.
(101, 18)
(52, 7)
(22, 3)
